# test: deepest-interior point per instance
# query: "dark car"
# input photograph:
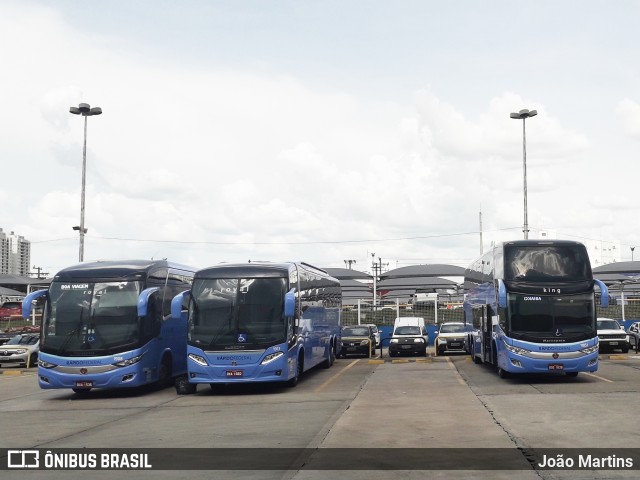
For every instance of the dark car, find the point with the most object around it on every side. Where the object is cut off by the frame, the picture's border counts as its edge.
(358, 340)
(634, 335)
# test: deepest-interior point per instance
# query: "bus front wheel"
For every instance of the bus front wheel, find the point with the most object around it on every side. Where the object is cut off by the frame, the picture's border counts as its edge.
(183, 387)
(299, 369)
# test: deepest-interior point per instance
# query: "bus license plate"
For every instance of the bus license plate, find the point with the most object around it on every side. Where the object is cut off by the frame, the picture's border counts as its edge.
(556, 366)
(84, 384)
(235, 373)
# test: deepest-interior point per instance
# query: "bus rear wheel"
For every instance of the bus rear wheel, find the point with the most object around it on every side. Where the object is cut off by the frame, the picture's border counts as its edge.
(165, 374)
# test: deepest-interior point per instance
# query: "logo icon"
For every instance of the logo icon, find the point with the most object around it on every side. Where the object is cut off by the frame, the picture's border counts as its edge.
(23, 459)
(242, 337)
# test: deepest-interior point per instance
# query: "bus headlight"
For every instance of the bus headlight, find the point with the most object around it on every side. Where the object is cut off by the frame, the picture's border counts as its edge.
(517, 350)
(590, 350)
(198, 359)
(271, 357)
(130, 361)
(43, 364)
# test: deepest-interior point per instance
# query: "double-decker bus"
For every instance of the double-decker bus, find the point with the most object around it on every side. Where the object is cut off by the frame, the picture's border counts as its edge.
(533, 308)
(259, 322)
(109, 325)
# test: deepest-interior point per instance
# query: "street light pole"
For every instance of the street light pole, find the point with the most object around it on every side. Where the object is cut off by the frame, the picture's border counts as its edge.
(523, 115)
(85, 110)
(632, 249)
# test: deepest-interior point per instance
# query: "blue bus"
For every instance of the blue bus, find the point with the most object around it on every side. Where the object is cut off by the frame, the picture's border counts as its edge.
(532, 305)
(259, 322)
(109, 325)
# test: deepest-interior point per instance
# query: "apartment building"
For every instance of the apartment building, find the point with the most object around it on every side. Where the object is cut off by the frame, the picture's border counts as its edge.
(15, 254)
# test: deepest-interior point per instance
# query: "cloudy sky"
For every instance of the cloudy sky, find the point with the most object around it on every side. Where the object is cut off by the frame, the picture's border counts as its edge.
(321, 131)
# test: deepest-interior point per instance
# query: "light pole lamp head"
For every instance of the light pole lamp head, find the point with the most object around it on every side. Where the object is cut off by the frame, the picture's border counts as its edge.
(524, 113)
(85, 110)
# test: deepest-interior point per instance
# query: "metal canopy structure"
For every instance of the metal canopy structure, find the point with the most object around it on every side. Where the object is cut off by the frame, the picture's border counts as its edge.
(347, 274)
(628, 269)
(422, 271)
(419, 284)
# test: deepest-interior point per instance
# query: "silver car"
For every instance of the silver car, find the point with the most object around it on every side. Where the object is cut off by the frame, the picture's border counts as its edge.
(22, 349)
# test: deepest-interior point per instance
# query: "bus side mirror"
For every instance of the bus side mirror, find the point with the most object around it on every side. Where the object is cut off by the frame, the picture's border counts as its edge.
(289, 304)
(502, 294)
(27, 301)
(177, 302)
(143, 300)
(604, 293)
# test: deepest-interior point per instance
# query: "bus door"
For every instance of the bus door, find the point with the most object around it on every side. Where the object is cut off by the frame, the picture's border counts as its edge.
(486, 332)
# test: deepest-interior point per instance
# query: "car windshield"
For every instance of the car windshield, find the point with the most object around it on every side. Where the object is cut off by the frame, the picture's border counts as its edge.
(407, 330)
(12, 305)
(355, 332)
(453, 328)
(608, 325)
(24, 340)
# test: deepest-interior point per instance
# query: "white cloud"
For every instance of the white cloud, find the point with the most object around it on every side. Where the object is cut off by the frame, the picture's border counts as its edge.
(629, 112)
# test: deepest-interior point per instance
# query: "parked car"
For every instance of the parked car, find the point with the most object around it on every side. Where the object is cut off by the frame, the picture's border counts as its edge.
(634, 335)
(10, 310)
(409, 336)
(453, 337)
(612, 335)
(376, 334)
(358, 340)
(22, 349)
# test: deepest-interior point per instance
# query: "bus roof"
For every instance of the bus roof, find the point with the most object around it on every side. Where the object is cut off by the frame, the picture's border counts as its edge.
(255, 270)
(116, 269)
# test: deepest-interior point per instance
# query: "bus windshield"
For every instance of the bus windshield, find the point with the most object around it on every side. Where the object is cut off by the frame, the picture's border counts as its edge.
(237, 313)
(561, 318)
(100, 318)
(533, 263)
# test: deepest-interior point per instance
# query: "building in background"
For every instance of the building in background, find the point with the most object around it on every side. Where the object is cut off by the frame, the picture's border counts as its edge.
(15, 254)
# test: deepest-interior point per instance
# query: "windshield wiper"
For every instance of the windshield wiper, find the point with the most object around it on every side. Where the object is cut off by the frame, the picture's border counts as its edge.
(72, 333)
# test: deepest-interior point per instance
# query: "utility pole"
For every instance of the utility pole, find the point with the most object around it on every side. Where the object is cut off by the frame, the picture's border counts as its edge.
(481, 230)
(377, 270)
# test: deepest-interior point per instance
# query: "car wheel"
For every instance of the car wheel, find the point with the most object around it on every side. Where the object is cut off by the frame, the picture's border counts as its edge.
(81, 391)
(33, 360)
(502, 373)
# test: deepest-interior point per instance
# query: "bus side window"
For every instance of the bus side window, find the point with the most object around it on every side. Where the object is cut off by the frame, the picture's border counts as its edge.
(151, 324)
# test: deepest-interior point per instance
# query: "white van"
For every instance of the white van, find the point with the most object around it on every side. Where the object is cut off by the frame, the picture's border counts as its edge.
(409, 336)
